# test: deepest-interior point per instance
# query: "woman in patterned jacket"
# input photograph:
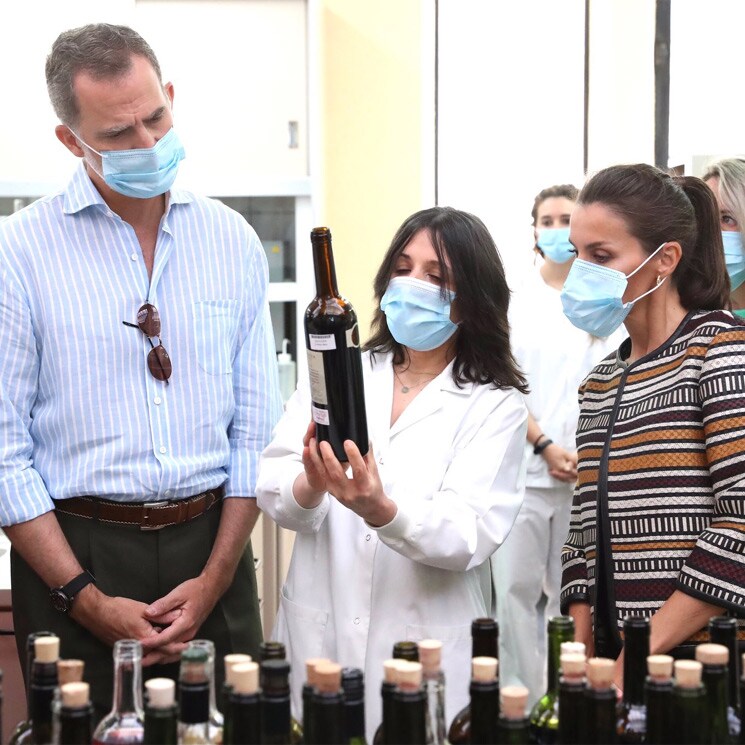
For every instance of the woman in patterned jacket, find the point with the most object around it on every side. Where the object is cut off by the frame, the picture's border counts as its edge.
(658, 518)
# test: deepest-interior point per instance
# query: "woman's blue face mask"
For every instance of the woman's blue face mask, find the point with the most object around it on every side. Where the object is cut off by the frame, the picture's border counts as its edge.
(734, 257)
(554, 242)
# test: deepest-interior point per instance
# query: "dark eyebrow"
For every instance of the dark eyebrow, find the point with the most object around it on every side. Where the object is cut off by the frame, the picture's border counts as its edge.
(116, 131)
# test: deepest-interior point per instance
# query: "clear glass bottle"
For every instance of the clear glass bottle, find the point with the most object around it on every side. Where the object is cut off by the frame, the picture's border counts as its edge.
(723, 630)
(216, 717)
(571, 697)
(632, 711)
(544, 718)
(409, 720)
(433, 677)
(715, 659)
(75, 715)
(514, 725)
(242, 723)
(689, 704)
(600, 702)
(125, 722)
(353, 685)
(483, 717)
(194, 697)
(658, 694)
(328, 704)
(161, 712)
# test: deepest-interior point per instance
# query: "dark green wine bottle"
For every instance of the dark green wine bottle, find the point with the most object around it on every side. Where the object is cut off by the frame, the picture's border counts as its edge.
(308, 688)
(76, 715)
(689, 704)
(242, 717)
(571, 697)
(409, 720)
(632, 712)
(715, 659)
(274, 700)
(328, 705)
(600, 703)
(514, 725)
(658, 694)
(723, 630)
(484, 709)
(229, 662)
(44, 683)
(353, 685)
(274, 650)
(403, 650)
(161, 712)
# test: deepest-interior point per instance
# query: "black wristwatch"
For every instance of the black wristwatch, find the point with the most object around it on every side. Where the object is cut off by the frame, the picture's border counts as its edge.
(62, 597)
(541, 444)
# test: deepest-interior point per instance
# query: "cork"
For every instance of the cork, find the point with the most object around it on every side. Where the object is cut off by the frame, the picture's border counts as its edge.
(573, 648)
(70, 671)
(688, 673)
(161, 692)
(328, 677)
(46, 648)
(233, 659)
(514, 699)
(660, 666)
(712, 654)
(430, 654)
(246, 677)
(409, 675)
(310, 668)
(484, 669)
(75, 695)
(573, 664)
(390, 670)
(600, 672)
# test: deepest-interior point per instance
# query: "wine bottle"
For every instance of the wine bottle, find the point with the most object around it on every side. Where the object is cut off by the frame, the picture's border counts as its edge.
(544, 718)
(332, 340)
(194, 697)
(406, 650)
(353, 685)
(216, 718)
(430, 655)
(43, 688)
(409, 725)
(75, 715)
(328, 705)
(514, 725)
(387, 688)
(742, 700)
(484, 709)
(229, 662)
(242, 717)
(484, 643)
(723, 630)
(632, 712)
(274, 702)
(658, 694)
(689, 704)
(715, 658)
(161, 712)
(274, 650)
(599, 724)
(571, 697)
(308, 688)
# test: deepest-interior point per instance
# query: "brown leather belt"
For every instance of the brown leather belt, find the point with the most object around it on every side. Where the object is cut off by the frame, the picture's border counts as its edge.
(147, 515)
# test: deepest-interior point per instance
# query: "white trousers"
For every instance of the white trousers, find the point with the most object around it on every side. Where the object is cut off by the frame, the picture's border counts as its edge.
(527, 572)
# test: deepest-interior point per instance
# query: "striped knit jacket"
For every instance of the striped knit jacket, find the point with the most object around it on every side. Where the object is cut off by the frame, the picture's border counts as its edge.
(661, 446)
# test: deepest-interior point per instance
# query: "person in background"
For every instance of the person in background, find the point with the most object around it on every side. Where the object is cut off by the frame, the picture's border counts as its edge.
(658, 520)
(138, 382)
(555, 357)
(398, 547)
(726, 178)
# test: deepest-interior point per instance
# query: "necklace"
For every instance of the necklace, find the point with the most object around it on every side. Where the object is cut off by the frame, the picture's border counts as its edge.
(406, 388)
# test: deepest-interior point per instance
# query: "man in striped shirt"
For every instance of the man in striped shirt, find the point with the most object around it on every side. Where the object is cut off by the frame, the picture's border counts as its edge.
(138, 381)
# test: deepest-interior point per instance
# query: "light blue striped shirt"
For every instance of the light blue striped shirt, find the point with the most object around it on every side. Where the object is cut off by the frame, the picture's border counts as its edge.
(80, 414)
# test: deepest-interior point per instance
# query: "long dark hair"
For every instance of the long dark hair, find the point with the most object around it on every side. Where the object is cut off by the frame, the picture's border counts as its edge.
(482, 342)
(658, 208)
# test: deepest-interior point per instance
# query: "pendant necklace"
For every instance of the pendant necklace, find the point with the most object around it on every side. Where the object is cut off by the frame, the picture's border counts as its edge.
(406, 388)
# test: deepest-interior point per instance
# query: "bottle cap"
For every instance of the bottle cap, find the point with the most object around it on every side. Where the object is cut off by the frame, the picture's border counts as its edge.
(274, 677)
(688, 673)
(712, 654)
(409, 675)
(161, 693)
(246, 677)
(230, 661)
(573, 665)
(484, 669)
(660, 666)
(75, 695)
(353, 683)
(284, 357)
(514, 699)
(600, 672)
(310, 668)
(193, 668)
(328, 677)
(430, 654)
(390, 670)
(70, 671)
(573, 648)
(46, 648)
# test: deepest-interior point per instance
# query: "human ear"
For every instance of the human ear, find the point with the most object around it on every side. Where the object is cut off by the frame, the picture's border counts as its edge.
(670, 257)
(69, 140)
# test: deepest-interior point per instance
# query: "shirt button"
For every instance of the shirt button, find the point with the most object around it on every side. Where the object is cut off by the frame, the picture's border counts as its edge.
(356, 621)
(157, 400)
(133, 257)
(367, 537)
(163, 449)
(168, 492)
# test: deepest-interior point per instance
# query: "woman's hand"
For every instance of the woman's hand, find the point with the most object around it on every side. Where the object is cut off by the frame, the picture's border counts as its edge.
(311, 485)
(562, 464)
(363, 492)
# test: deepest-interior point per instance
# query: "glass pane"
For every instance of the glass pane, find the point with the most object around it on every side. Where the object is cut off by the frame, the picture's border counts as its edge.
(285, 336)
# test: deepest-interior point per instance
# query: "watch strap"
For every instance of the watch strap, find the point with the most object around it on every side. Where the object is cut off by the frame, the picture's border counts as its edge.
(542, 444)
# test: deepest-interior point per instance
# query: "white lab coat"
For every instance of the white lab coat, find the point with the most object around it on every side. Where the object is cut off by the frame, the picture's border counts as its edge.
(454, 464)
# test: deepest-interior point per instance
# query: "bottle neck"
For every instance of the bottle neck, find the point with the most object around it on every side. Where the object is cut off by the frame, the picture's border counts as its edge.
(323, 263)
(485, 642)
(128, 686)
(714, 678)
(635, 652)
(556, 637)
(726, 634)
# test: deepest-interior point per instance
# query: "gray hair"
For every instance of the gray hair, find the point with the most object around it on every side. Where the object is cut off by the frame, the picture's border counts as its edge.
(102, 50)
(731, 175)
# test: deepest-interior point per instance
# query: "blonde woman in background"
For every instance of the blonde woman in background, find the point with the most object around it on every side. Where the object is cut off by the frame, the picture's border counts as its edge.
(555, 357)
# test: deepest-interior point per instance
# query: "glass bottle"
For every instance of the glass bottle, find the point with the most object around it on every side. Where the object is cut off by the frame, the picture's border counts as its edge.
(484, 710)
(742, 699)
(430, 655)
(689, 704)
(229, 661)
(22, 730)
(332, 341)
(571, 697)
(75, 714)
(161, 712)
(194, 697)
(43, 687)
(328, 705)
(409, 725)
(723, 630)
(484, 643)
(242, 723)
(353, 685)
(216, 717)
(599, 724)
(274, 650)
(658, 694)
(125, 722)
(308, 688)
(406, 650)
(514, 725)
(274, 702)
(387, 688)
(714, 658)
(632, 712)
(544, 718)
(68, 671)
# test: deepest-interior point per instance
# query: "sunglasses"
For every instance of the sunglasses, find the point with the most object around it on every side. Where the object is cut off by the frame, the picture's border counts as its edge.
(158, 361)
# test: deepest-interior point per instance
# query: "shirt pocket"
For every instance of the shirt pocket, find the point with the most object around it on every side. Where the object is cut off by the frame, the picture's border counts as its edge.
(215, 334)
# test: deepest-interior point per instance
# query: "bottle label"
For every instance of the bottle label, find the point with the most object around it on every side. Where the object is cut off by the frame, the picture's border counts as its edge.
(322, 342)
(353, 336)
(320, 416)
(317, 380)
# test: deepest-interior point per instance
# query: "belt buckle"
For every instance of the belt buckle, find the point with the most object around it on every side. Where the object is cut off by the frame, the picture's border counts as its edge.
(146, 507)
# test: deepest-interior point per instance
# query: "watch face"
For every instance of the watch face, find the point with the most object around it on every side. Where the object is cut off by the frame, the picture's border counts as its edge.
(60, 601)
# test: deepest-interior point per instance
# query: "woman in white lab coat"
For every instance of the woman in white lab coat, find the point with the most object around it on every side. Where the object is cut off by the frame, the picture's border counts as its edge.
(398, 548)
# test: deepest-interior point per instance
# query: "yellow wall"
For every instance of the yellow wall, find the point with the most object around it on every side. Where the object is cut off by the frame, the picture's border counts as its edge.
(371, 73)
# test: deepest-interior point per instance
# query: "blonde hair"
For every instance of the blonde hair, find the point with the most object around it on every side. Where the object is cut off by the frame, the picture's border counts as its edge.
(731, 175)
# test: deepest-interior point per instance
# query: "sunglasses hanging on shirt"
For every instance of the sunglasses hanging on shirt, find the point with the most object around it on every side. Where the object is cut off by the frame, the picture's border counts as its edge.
(158, 361)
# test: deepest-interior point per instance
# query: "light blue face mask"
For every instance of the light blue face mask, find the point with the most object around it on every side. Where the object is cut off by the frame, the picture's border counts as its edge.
(417, 314)
(734, 257)
(554, 242)
(592, 296)
(145, 172)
